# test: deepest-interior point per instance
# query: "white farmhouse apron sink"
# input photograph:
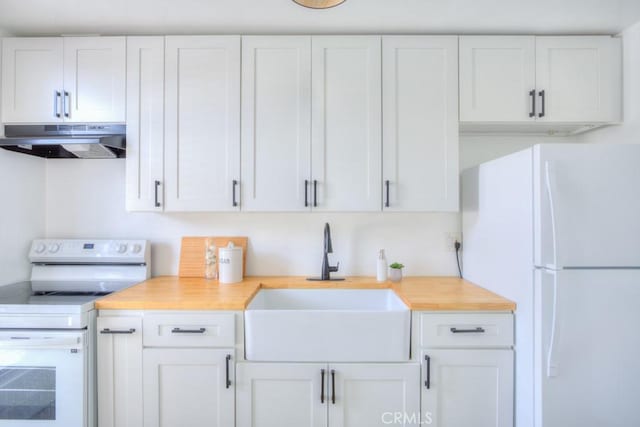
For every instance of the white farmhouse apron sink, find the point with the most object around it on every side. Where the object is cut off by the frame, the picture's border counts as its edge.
(327, 325)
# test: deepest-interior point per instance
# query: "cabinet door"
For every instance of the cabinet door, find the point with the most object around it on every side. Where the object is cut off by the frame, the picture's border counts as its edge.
(368, 395)
(145, 123)
(188, 387)
(32, 80)
(119, 371)
(497, 75)
(281, 394)
(581, 78)
(94, 79)
(202, 123)
(276, 123)
(420, 136)
(462, 388)
(346, 123)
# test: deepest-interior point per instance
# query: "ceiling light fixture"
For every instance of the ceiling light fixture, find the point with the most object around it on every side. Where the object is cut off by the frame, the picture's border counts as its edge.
(319, 4)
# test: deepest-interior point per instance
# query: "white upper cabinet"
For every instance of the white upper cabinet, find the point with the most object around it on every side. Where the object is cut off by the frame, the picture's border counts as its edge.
(276, 123)
(71, 79)
(145, 123)
(545, 80)
(202, 123)
(579, 79)
(497, 78)
(94, 79)
(346, 124)
(420, 128)
(32, 80)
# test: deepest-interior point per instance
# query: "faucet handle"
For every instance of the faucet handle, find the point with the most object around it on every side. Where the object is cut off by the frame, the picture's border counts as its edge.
(333, 269)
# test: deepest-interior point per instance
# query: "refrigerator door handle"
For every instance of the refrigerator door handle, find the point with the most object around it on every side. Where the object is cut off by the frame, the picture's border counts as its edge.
(548, 171)
(552, 365)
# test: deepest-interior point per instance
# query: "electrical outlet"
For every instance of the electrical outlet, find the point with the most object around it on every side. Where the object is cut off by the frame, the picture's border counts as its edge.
(450, 240)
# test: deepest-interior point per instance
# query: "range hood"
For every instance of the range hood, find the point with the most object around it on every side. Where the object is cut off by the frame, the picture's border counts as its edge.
(81, 141)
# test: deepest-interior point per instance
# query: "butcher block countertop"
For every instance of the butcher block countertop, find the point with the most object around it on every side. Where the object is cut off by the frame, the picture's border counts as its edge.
(179, 293)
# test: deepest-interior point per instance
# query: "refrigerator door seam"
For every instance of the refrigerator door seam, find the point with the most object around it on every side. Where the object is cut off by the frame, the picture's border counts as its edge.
(552, 368)
(552, 212)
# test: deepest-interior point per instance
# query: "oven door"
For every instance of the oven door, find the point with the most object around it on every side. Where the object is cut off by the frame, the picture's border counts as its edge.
(43, 378)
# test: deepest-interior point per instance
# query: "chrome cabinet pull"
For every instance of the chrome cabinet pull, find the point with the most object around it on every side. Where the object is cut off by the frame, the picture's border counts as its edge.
(157, 202)
(532, 94)
(113, 332)
(234, 185)
(386, 203)
(333, 386)
(306, 193)
(543, 101)
(477, 330)
(427, 381)
(321, 385)
(66, 104)
(188, 331)
(227, 361)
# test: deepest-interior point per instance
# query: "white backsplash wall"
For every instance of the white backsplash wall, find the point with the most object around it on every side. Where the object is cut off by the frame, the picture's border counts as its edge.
(21, 212)
(86, 198)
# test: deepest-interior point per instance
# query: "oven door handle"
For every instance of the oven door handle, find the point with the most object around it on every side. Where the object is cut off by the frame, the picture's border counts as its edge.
(36, 343)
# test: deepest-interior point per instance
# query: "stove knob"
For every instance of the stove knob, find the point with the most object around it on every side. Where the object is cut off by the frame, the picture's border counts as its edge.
(54, 247)
(136, 248)
(121, 248)
(41, 247)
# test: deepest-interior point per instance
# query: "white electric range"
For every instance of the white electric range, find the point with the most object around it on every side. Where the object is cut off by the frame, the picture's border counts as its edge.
(48, 329)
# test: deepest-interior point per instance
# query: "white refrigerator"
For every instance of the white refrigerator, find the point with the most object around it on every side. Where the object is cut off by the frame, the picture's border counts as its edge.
(556, 228)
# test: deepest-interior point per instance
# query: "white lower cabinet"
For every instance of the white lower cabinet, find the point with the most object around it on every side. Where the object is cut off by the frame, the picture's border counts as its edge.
(119, 371)
(176, 369)
(321, 395)
(368, 395)
(188, 387)
(166, 369)
(467, 387)
(281, 394)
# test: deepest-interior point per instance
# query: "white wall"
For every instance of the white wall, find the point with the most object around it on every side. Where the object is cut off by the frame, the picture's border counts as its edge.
(85, 198)
(478, 149)
(629, 131)
(21, 211)
(46, 17)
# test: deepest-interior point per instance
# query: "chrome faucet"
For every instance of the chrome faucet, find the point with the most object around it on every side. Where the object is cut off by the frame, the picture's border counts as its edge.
(328, 249)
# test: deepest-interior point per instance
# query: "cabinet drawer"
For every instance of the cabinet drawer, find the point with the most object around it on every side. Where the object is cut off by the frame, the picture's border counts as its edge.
(465, 330)
(189, 330)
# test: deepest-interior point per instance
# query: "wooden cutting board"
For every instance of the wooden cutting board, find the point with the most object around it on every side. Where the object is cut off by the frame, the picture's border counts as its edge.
(192, 263)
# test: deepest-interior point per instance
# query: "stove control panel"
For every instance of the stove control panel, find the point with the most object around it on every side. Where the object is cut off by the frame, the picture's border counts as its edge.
(89, 251)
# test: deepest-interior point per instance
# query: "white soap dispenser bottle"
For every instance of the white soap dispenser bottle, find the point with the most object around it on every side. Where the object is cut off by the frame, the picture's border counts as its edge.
(381, 274)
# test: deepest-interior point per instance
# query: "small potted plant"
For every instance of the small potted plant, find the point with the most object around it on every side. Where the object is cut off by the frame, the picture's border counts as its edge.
(395, 272)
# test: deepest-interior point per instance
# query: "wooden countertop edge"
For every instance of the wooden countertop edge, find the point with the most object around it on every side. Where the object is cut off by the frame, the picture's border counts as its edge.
(438, 304)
